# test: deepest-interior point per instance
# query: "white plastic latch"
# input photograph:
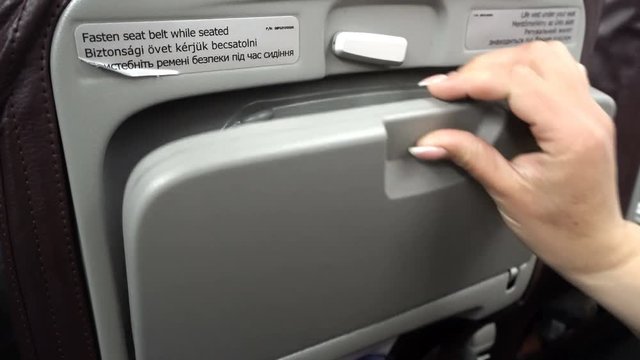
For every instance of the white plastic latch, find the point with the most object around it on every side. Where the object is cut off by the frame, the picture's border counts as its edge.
(370, 48)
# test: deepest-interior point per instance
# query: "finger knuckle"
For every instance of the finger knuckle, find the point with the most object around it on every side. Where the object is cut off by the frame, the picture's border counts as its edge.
(583, 76)
(594, 140)
(557, 44)
(534, 52)
(607, 125)
(481, 83)
(472, 156)
(478, 60)
(537, 47)
(465, 154)
(477, 64)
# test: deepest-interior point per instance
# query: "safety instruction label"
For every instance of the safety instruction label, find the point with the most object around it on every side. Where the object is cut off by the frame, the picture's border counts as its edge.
(155, 48)
(489, 29)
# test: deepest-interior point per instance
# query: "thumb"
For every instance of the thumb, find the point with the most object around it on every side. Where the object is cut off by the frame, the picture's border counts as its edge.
(477, 157)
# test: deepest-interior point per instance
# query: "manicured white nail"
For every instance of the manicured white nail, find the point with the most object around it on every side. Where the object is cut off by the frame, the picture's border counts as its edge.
(433, 80)
(428, 152)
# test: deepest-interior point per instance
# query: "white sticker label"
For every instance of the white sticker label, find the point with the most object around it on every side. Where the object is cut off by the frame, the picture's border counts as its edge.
(156, 48)
(489, 29)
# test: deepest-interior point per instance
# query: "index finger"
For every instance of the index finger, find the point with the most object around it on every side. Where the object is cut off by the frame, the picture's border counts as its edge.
(487, 76)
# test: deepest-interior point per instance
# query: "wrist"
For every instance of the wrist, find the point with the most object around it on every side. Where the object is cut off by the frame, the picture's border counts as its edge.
(617, 287)
(620, 248)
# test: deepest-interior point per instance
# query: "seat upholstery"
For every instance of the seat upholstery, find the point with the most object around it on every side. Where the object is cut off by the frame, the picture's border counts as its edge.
(43, 268)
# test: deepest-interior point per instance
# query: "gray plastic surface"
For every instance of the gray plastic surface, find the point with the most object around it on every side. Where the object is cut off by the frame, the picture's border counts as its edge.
(633, 212)
(465, 302)
(92, 103)
(291, 232)
(483, 339)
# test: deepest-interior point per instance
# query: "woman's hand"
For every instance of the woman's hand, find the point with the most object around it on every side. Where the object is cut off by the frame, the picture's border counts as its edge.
(561, 201)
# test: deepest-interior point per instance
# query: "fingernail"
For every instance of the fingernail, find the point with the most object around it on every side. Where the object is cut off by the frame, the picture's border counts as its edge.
(428, 152)
(433, 80)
